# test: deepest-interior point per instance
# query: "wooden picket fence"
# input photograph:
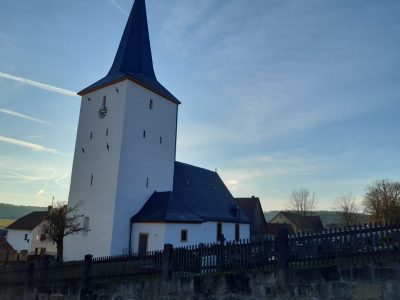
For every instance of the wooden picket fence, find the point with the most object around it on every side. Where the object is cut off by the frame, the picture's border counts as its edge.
(366, 242)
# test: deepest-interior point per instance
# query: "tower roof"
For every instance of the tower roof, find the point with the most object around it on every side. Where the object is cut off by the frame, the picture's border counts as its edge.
(133, 59)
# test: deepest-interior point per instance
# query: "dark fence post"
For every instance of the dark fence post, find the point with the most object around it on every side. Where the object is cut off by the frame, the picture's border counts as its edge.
(167, 261)
(29, 275)
(282, 247)
(87, 269)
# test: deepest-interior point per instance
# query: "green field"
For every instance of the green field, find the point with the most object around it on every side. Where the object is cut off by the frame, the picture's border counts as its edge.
(5, 222)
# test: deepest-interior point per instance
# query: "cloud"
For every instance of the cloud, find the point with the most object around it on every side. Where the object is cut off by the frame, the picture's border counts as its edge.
(34, 147)
(19, 115)
(117, 6)
(40, 85)
(40, 192)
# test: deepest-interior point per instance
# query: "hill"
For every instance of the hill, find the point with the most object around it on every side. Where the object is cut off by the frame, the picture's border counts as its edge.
(9, 211)
(327, 216)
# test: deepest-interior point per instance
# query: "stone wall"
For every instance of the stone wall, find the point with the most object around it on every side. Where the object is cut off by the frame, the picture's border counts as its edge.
(363, 281)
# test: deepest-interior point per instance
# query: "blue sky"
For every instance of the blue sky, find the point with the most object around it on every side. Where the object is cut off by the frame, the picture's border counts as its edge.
(276, 95)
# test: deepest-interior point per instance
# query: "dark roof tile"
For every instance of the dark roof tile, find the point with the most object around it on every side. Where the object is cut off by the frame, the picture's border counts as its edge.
(198, 195)
(133, 59)
(29, 221)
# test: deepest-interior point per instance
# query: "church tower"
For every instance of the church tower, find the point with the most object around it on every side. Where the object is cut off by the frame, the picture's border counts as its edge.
(125, 146)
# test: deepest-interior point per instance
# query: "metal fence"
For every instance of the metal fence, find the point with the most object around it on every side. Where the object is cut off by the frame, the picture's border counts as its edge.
(259, 254)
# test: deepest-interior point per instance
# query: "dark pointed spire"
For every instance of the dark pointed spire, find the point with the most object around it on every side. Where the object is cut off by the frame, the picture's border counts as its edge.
(134, 52)
(133, 59)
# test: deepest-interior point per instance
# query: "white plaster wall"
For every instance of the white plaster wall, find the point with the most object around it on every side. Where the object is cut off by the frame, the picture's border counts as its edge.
(156, 232)
(50, 246)
(143, 158)
(162, 233)
(119, 183)
(16, 239)
(98, 199)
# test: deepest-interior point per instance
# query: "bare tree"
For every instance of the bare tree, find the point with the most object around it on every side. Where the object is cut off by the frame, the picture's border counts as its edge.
(349, 210)
(382, 201)
(302, 201)
(62, 221)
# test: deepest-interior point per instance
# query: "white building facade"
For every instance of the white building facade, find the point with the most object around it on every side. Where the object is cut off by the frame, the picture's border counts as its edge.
(125, 152)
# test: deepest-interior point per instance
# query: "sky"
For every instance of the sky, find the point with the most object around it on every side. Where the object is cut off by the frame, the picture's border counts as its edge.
(276, 95)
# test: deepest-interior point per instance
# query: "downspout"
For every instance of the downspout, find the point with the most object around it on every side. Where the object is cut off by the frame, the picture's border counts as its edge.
(130, 238)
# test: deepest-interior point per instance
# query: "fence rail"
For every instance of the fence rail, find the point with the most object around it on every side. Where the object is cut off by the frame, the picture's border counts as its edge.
(356, 242)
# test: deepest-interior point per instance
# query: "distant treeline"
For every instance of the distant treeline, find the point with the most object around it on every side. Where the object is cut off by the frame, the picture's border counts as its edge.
(327, 216)
(9, 211)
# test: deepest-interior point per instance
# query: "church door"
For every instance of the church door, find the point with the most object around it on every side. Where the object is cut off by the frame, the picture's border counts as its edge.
(143, 241)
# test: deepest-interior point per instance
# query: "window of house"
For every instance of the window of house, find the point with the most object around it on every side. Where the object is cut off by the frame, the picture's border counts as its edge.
(91, 134)
(108, 147)
(184, 235)
(40, 251)
(144, 133)
(160, 139)
(237, 232)
(88, 98)
(91, 180)
(107, 132)
(219, 231)
(151, 104)
(147, 182)
(26, 237)
(116, 89)
(83, 149)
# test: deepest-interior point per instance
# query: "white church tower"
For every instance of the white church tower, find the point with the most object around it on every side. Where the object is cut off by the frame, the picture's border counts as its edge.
(125, 145)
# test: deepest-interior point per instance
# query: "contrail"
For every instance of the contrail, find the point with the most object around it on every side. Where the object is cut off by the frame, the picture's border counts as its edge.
(19, 115)
(39, 85)
(34, 147)
(116, 5)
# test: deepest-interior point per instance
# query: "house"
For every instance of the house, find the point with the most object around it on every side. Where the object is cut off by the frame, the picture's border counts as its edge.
(134, 196)
(273, 229)
(253, 210)
(309, 224)
(26, 233)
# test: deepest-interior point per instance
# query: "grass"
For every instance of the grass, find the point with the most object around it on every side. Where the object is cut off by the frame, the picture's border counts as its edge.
(5, 222)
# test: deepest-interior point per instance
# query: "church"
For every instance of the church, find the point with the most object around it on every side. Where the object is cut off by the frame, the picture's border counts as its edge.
(133, 195)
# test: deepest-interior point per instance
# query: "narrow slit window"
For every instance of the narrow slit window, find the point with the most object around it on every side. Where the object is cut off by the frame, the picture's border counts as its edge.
(151, 104)
(108, 147)
(83, 150)
(117, 90)
(91, 180)
(88, 98)
(144, 133)
(160, 139)
(184, 235)
(107, 132)
(91, 135)
(147, 182)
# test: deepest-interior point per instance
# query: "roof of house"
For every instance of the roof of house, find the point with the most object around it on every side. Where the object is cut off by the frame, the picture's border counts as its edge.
(3, 232)
(29, 221)
(304, 222)
(133, 59)
(274, 228)
(4, 245)
(253, 210)
(198, 195)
